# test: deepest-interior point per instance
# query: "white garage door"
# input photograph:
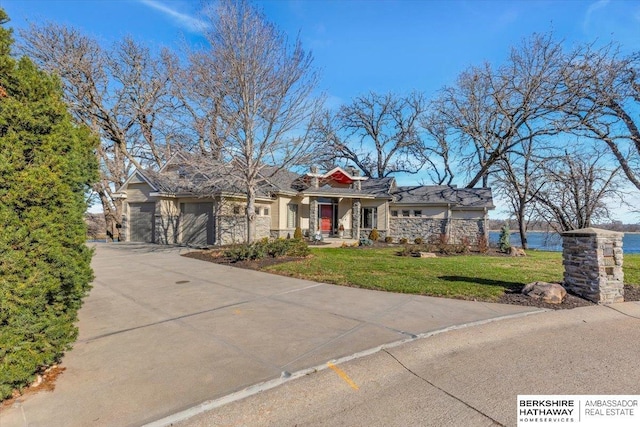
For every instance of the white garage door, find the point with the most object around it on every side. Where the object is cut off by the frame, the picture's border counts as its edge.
(197, 223)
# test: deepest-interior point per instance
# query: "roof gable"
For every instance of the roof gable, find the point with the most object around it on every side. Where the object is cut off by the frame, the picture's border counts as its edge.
(137, 177)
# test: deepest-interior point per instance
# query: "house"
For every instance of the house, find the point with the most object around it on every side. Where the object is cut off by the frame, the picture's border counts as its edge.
(181, 204)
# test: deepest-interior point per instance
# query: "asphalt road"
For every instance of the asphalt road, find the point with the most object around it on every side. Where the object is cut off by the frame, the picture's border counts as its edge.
(464, 377)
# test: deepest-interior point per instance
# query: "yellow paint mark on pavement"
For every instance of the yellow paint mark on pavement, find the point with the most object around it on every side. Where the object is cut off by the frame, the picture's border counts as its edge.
(343, 375)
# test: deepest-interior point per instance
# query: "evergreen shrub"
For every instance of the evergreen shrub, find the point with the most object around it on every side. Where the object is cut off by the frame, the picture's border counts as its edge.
(47, 164)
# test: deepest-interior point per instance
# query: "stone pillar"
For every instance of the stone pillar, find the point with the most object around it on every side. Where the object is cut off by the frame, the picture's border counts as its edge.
(315, 182)
(355, 219)
(592, 260)
(313, 216)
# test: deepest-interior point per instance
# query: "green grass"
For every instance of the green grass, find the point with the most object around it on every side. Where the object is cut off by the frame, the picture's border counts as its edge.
(467, 276)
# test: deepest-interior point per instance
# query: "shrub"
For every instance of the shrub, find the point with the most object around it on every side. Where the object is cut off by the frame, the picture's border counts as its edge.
(240, 252)
(503, 241)
(407, 251)
(297, 234)
(366, 242)
(483, 244)
(273, 248)
(388, 239)
(47, 164)
(298, 248)
(277, 248)
(403, 240)
(374, 235)
(418, 241)
(465, 245)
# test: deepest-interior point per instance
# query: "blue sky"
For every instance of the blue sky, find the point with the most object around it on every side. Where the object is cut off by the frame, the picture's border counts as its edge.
(364, 45)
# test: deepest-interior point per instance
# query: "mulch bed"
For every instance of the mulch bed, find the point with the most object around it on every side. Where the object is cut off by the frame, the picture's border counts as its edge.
(47, 383)
(631, 293)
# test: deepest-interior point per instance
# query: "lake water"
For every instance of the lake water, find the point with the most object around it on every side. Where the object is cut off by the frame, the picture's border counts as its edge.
(553, 242)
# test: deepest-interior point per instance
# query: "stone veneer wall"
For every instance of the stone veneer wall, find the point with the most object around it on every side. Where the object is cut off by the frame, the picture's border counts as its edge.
(355, 219)
(233, 228)
(263, 227)
(364, 233)
(472, 229)
(592, 260)
(425, 228)
(313, 215)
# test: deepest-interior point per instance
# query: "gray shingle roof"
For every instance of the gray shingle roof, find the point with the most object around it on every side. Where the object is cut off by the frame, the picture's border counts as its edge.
(440, 194)
(184, 176)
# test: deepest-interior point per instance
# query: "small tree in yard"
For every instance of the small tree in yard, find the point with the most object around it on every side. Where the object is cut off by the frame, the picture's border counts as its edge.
(47, 164)
(263, 86)
(503, 242)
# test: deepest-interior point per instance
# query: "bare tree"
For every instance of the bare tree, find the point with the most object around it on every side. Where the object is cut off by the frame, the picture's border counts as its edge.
(519, 179)
(199, 101)
(575, 189)
(489, 113)
(120, 93)
(438, 154)
(378, 133)
(605, 97)
(262, 88)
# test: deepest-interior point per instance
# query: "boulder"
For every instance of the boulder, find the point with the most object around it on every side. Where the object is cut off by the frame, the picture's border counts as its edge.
(427, 255)
(513, 251)
(552, 293)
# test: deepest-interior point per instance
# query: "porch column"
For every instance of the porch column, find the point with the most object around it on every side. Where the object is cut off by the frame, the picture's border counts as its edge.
(355, 219)
(313, 215)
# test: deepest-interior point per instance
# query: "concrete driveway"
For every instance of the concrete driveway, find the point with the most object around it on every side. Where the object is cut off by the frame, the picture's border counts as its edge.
(161, 333)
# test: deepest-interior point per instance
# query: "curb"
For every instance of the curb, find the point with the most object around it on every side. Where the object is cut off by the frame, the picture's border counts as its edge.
(286, 376)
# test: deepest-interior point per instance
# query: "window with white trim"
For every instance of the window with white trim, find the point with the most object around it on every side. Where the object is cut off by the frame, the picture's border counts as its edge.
(369, 217)
(292, 215)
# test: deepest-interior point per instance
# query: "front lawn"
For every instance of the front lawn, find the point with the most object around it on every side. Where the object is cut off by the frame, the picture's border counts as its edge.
(466, 276)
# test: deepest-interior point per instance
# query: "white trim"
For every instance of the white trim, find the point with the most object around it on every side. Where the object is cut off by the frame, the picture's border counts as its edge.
(127, 181)
(334, 170)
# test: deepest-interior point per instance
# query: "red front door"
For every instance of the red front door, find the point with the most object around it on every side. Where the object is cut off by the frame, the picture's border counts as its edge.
(326, 219)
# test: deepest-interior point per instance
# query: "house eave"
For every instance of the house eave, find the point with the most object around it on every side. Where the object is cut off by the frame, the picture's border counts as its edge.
(339, 195)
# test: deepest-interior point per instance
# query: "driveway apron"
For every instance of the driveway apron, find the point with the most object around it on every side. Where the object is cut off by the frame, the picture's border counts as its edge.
(160, 333)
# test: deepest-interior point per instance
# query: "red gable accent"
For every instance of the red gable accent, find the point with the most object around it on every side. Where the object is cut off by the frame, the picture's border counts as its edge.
(341, 178)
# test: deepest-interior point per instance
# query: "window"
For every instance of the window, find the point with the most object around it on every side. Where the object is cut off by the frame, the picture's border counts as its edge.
(369, 217)
(394, 213)
(257, 211)
(236, 210)
(292, 215)
(405, 213)
(266, 212)
(417, 213)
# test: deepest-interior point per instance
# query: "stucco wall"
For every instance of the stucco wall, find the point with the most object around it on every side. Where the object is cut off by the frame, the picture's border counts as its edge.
(167, 221)
(139, 192)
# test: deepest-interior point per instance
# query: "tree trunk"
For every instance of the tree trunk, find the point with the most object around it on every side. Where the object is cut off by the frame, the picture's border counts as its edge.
(251, 213)
(522, 228)
(112, 218)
